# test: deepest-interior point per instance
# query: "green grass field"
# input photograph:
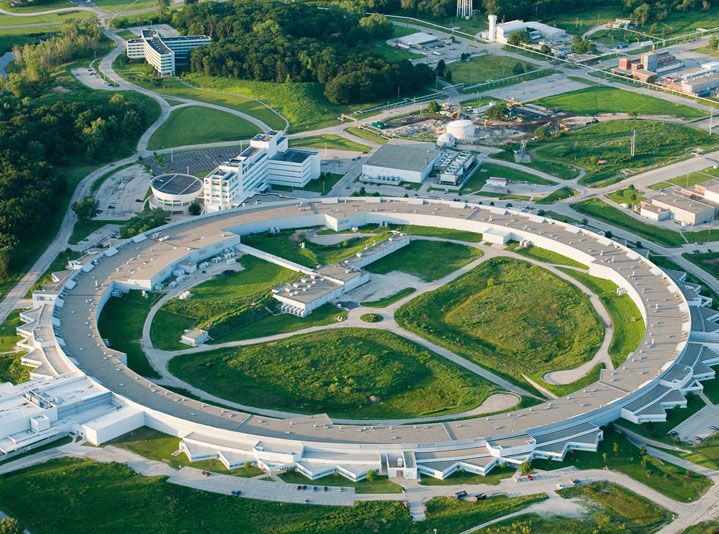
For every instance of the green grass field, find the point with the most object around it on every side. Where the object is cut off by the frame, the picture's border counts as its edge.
(668, 479)
(464, 477)
(121, 323)
(11, 370)
(286, 244)
(561, 170)
(23, 36)
(197, 125)
(687, 180)
(629, 195)
(381, 484)
(706, 527)
(32, 8)
(603, 149)
(709, 261)
(386, 301)
(578, 22)
(368, 135)
(507, 311)
(329, 141)
(493, 170)
(9, 20)
(347, 372)
(547, 256)
(626, 318)
(236, 306)
(8, 337)
(557, 195)
(392, 54)
(610, 215)
(485, 68)
(600, 99)
(429, 260)
(83, 497)
(444, 233)
(115, 6)
(160, 447)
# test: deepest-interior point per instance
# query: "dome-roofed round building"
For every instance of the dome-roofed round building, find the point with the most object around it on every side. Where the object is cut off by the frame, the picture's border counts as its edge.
(174, 192)
(461, 129)
(446, 140)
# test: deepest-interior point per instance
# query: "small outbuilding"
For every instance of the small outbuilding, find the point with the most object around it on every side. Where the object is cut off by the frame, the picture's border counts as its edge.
(195, 337)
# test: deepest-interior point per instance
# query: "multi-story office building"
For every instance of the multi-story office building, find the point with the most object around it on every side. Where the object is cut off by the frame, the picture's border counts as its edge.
(163, 52)
(267, 161)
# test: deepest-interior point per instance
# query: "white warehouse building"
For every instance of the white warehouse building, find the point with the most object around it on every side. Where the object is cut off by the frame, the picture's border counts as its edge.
(398, 161)
(537, 31)
(267, 161)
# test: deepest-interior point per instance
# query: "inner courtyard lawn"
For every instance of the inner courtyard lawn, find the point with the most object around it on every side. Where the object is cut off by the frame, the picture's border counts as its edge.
(510, 316)
(429, 260)
(287, 244)
(76, 496)
(235, 306)
(348, 372)
(197, 125)
(627, 321)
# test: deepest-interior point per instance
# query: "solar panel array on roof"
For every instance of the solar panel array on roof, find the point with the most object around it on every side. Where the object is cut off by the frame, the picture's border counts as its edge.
(177, 184)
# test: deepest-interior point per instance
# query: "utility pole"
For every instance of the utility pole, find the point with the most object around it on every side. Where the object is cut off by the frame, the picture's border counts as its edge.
(634, 141)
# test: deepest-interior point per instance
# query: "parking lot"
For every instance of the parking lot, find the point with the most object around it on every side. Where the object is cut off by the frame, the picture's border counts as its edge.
(91, 79)
(699, 425)
(121, 196)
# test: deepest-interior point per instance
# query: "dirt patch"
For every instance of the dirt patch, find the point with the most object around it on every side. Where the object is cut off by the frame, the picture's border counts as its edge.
(60, 89)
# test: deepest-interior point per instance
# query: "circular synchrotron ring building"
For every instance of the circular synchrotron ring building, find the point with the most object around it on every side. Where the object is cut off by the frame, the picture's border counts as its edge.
(89, 389)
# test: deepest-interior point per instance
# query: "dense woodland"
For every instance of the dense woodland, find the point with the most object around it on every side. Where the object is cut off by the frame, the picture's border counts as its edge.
(40, 135)
(299, 43)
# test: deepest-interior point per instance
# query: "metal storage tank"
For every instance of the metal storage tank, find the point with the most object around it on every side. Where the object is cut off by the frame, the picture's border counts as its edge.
(461, 129)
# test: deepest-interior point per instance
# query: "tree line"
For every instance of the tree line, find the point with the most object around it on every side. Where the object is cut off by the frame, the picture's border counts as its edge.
(299, 43)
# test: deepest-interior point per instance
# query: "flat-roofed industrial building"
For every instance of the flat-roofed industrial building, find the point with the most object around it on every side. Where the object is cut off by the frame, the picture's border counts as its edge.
(685, 209)
(398, 161)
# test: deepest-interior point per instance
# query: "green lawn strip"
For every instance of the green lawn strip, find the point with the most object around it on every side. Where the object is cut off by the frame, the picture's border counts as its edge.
(33, 8)
(558, 194)
(323, 184)
(160, 447)
(23, 36)
(366, 134)
(329, 141)
(635, 512)
(494, 170)
(429, 260)
(705, 289)
(556, 168)
(701, 235)
(81, 497)
(198, 125)
(8, 337)
(507, 310)
(629, 195)
(347, 372)
(604, 212)
(11, 20)
(711, 389)
(626, 319)
(126, 34)
(486, 68)
(143, 75)
(394, 54)
(708, 261)
(687, 180)
(603, 149)
(115, 6)
(302, 103)
(565, 389)
(558, 217)
(674, 482)
(430, 231)
(545, 255)
(391, 299)
(465, 477)
(381, 484)
(576, 22)
(706, 527)
(83, 228)
(602, 99)
(121, 324)
(286, 244)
